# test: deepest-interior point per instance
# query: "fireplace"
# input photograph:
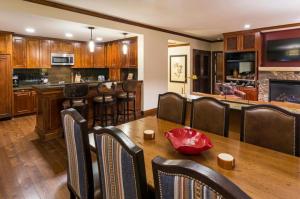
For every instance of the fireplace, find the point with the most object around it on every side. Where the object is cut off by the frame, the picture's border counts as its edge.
(284, 90)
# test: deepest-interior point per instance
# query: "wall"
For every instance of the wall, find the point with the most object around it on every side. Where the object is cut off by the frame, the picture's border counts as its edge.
(217, 46)
(154, 64)
(177, 87)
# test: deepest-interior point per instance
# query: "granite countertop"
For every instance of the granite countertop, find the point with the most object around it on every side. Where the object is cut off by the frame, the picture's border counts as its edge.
(60, 86)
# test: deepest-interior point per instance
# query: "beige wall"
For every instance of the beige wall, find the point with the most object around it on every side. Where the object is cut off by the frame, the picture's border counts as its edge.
(155, 62)
(217, 46)
(177, 87)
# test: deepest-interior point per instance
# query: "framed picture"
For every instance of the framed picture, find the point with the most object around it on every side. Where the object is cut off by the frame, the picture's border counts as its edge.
(178, 68)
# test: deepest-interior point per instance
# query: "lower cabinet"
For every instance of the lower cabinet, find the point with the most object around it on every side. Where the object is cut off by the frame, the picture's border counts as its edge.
(24, 102)
(251, 93)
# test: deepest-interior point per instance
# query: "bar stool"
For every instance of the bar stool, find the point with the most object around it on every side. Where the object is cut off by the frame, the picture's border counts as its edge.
(103, 102)
(125, 97)
(76, 97)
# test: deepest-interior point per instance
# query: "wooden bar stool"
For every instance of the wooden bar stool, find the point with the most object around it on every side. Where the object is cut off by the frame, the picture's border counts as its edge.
(124, 98)
(103, 102)
(76, 97)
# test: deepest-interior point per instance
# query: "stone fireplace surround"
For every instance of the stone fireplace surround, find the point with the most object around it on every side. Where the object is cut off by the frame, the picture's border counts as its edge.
(263, 81)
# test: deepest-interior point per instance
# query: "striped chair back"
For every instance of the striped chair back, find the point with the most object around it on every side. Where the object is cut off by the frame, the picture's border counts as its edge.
(185, 179)
(80, 173)
(121, 165)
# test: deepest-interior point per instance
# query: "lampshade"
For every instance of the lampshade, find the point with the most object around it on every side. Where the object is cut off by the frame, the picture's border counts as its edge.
(125, 48)
(92, 46)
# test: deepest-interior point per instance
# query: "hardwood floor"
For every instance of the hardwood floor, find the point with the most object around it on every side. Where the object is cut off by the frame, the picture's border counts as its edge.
(30, 169)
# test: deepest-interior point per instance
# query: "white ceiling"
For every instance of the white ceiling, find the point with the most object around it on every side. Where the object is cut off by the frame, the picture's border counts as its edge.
(54, 28)
(203, 18)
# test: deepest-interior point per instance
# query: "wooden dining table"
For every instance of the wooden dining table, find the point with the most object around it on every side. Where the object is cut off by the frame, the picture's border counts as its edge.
(260, 172)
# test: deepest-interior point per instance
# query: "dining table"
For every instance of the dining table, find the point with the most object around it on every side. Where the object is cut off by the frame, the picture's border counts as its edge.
(258, 171)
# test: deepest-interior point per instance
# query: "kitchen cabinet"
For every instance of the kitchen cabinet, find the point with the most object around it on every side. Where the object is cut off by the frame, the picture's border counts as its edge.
(113, 54)
(5, 87)
(45, 54)
(86, 57)
(5, 43)
(32, 53)
(99, 56)
(58, 46)
(245, 41)
(24, 102)
(77, 54)
(19, 52)
(130, 59)
(108, 54)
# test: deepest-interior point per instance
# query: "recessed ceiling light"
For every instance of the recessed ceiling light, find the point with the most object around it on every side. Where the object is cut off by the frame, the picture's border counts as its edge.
(30, 30)
(69, 35)
(247, 26)
(99, 39)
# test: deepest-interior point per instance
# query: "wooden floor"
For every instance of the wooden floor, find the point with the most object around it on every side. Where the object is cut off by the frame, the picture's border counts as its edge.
(29, 168)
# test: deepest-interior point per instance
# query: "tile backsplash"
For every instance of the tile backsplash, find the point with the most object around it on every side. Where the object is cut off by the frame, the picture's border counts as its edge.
(57, 74)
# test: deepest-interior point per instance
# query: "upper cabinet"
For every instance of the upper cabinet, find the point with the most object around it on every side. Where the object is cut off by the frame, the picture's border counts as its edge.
(5, 43)
(19, 52)
(32, 53)
(99, 56)
(86, 56)
(45, 51)
(244, 41)
(58, 46)
(77, 54)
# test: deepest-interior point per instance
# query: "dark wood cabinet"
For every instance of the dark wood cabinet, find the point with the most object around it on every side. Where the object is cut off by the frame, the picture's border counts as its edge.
(5, 43)
(5, 87)
(24, 102)
(45, 54)
(133, 53)
(99, 56)
(19, 52)
(32, 53)
(246, 41)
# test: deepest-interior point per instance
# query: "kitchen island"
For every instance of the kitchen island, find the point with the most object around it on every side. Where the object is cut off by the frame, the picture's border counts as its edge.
(49, 105)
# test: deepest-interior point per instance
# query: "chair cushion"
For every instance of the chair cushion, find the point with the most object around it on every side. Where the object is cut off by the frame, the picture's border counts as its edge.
(123, 95)
(99, 99)
(76, 103)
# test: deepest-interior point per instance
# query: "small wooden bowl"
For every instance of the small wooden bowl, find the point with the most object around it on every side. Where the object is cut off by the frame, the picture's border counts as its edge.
(226, 161)
(149, 135)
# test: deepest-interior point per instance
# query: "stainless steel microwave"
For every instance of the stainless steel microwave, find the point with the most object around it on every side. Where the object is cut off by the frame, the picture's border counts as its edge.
(62, 59)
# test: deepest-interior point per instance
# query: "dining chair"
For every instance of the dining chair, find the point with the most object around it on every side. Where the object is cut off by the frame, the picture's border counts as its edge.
(271, 127)
(186, 179)
(171, 107)
(80, 180)
(210, 114)
(121, 165)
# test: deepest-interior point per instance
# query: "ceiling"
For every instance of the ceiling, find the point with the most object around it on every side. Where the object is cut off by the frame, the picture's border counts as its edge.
(54, 28)
(203, 18)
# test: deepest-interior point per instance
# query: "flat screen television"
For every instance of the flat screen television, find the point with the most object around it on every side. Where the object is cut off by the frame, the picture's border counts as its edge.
(284, 50)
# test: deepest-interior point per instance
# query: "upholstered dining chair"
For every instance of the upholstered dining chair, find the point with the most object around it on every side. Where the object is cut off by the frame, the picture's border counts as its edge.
(80, 180)
(271, 127)
(121, 165)
(209, 114)
(171, 107)
(186, 179)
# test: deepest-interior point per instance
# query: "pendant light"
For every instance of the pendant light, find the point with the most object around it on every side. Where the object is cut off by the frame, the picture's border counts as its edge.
(91, 43)
(125, 45)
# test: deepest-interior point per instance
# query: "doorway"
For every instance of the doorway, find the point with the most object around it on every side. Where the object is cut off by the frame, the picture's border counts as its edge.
(202, 69)
(217, 68)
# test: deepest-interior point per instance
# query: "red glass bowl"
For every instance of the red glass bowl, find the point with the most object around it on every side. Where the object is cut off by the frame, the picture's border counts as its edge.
(188, 141)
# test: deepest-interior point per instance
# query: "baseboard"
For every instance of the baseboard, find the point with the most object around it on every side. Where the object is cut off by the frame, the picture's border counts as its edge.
(150, 112)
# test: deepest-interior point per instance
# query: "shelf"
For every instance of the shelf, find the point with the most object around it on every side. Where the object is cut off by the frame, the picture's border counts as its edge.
(233, 61)
(238, 79)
